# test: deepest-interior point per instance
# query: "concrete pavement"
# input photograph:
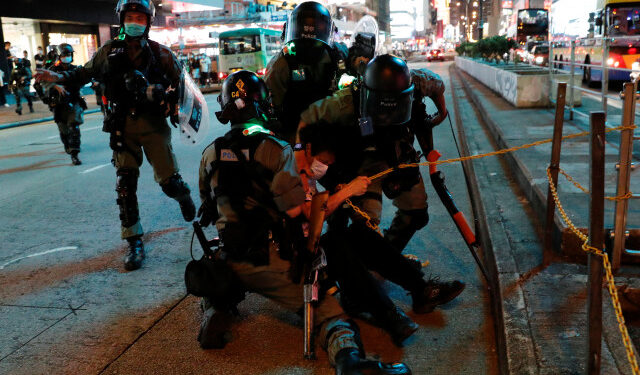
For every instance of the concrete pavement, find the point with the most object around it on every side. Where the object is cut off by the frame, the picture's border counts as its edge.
(544, 307)
(67, 306)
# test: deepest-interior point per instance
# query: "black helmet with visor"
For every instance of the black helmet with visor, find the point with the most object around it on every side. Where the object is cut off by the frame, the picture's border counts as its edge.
(387, 91)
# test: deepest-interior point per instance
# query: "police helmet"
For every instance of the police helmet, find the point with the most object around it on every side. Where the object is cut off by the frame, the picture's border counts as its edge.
(65, 49)
(243, 96)
(310, 20)
(388, 91)
(143, 6)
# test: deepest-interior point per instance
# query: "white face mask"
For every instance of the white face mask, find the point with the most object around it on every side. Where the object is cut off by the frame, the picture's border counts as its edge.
(66, 59)
(318, 169)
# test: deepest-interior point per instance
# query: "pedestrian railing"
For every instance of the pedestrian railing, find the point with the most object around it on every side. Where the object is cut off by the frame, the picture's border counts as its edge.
(593, 243)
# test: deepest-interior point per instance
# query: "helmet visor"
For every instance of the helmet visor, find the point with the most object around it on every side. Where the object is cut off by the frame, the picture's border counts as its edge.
(387, 108)
(310, 25)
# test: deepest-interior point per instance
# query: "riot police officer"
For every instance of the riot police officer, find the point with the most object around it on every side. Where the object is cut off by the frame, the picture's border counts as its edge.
(380, 111)
(19, 82)
(252, 177)
(306, 68)
(138, 74)
(67, 105)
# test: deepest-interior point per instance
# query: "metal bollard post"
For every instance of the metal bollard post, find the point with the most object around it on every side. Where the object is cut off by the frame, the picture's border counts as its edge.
(605, 73)
(552, 63)
(572, 82)
(596, 239)
(624, 174)
(554, 165)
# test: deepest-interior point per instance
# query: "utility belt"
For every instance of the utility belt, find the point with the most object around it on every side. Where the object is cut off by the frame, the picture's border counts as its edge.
(242, 242)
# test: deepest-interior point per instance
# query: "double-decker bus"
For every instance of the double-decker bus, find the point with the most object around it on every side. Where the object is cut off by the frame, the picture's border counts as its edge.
(249, 49)
(533, 26)
(615, 20)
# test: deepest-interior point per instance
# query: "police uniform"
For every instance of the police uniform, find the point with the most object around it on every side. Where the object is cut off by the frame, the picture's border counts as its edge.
(411, 204)
(144, 131)
(267, 274)
(20, 80)
(68, 112)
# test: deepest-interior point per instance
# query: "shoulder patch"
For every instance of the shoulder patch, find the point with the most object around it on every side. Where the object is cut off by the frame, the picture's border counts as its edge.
(228, 155)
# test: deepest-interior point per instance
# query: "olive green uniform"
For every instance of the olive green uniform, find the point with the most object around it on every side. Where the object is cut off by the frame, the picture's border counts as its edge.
(339, 109)
(20, 80)
(273, 280)
(144, 132)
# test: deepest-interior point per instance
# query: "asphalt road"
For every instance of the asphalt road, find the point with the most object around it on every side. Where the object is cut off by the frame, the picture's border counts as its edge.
(68, 306)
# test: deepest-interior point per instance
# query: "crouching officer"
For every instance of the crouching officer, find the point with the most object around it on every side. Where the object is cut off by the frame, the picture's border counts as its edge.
(252, 177)
(66, 104)
(306, 68)
(139, 75)
(19, 82)
(381, 107)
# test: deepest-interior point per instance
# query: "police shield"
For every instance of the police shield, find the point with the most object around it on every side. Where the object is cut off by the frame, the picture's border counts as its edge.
(193, 112)
(367, 26)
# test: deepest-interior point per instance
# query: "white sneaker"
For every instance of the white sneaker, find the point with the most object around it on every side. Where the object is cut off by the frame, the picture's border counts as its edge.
(6, 104)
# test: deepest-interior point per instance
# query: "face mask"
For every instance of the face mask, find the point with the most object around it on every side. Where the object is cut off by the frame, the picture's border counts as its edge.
(318, 169)
(66, 59)
(134, 29)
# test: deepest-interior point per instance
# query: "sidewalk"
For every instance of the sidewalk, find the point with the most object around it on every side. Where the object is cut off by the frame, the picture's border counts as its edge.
(41, 113)
(544, 308)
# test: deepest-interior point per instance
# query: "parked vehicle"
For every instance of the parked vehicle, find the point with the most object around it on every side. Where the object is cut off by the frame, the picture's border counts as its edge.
(435, 55)
(539, 55)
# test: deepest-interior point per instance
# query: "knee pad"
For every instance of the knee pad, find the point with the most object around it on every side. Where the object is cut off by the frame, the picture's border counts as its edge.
(126, 186)
(341, 334)
(175, 187)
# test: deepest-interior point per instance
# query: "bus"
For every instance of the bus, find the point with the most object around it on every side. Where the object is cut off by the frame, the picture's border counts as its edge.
(616, 20)
(533, 26)
(249, 49)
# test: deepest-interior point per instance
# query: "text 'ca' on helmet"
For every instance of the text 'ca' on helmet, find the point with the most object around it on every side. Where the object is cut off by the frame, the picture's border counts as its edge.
(243, 96)
(142, 6)
(310, 20)
(388, 91)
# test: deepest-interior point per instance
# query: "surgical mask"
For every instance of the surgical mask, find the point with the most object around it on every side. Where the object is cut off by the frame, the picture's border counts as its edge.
(318, 169)
(134, 29)
(66, 59)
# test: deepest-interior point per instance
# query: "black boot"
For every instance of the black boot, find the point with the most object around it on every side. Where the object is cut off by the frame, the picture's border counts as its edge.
(399, 326)
(435, 293)
(134, 258)
(19, 111)
(215, 328)
(349, 362)
(74, 158)
(31, 108)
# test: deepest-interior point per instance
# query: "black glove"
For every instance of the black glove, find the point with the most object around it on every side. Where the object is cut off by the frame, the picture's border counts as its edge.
(208, 213)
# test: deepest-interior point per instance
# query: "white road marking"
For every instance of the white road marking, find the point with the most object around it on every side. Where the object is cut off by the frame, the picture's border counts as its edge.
(38, 254)
(95, 168)
(81, 129)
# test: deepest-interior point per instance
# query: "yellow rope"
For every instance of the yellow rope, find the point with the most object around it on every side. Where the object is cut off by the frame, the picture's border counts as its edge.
(585, 190)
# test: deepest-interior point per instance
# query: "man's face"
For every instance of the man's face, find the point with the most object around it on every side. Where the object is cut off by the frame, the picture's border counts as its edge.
(135, 17)
(7, 46)
(25, 54)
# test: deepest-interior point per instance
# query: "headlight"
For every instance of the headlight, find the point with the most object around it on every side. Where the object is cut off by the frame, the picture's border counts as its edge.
(539, 59)
(610, 61)
(635, 66)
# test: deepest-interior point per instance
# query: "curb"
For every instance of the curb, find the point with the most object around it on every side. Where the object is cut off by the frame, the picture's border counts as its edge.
(39, 120)
(523, 177)
(537, 198)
